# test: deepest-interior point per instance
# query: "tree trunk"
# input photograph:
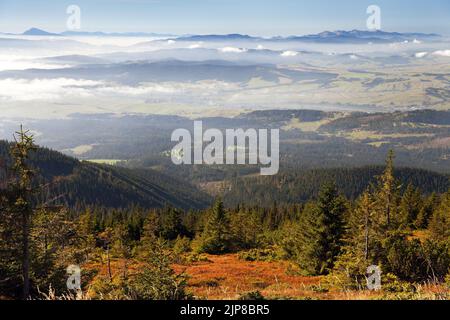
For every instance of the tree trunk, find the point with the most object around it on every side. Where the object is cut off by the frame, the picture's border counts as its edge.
(25, 255)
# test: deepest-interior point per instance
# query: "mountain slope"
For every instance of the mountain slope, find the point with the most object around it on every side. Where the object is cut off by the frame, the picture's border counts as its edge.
(298, 186)
(133, 73)
(38, 32)
(75, 183)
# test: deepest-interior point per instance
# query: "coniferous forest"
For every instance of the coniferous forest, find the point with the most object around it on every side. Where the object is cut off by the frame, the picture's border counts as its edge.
(173, 242)
(224, 158)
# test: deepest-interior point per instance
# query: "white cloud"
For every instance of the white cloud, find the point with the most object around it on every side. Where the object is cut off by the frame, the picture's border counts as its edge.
(421, 54)
(233, 50)
(195, 46)
(136, 91)
(71, 90)
(44, 89)
(442, 53)
(289, 54)
(13, 62)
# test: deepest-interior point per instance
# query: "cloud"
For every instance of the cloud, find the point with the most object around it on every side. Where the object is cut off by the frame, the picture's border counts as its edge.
(14, 62)
(233, 50)
(44, 89)
(195, 46)
(289, 54)
(70, 90)
(421, 54)
(442, 53)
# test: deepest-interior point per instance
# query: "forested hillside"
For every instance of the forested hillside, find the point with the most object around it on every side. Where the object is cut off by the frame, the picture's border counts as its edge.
(389, 219)
(297, 186)
(74, 183)
(80, 184)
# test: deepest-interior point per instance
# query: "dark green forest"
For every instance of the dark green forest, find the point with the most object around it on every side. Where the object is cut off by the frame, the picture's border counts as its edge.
(56, 211)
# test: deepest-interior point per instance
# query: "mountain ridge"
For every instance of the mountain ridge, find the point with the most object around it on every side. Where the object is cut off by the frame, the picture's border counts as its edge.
(351, 36)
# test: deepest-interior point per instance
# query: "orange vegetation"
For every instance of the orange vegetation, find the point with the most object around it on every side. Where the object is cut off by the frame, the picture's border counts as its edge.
(227, 277)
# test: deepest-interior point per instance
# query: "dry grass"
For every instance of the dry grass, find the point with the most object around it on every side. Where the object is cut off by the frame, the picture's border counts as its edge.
(227, 277)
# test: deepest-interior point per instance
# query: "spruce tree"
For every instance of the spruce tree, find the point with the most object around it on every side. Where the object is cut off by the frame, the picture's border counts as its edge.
(410, 206)
(426, 211)
(156, 279)
(215, 238)
(387, 195)
(171, 224)
(320, 232)
(440, 222)
(23, 190)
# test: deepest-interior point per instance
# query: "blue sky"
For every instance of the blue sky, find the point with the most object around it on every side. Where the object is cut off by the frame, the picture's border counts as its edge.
(255, 17)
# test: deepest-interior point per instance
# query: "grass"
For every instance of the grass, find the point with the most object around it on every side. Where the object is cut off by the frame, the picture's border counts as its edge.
(111, 162)
(372, 135)
(233, 277)
(80, 150)
(227, 277)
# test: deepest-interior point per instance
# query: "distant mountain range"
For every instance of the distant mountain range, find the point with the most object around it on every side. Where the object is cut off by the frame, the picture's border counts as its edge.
(40, 32)
(133, 73)
(353, 36)
(363, 36)
(327, 36)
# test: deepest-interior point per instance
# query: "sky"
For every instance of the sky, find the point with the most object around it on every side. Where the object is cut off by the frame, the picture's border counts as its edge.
(254, 17)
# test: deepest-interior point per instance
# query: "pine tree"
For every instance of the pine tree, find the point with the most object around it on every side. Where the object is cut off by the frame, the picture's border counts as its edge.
(10, 249)
(122, 246)
(246, 229)
(171, 224)
(215, 238)
(426, 211)
(361, 224)
(52, 236)
(157, 280)
(22, 207)
(86, 236)
(440, 222)
(410, 206)
(320, 232)
(387, 194)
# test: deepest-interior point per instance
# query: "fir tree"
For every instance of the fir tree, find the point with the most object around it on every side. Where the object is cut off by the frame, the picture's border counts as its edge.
(157, 280)
(440, 222)
(387, 194)
(426, 211)
(215, 238)
(320, 232)
(22, 207)
(410, 206)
